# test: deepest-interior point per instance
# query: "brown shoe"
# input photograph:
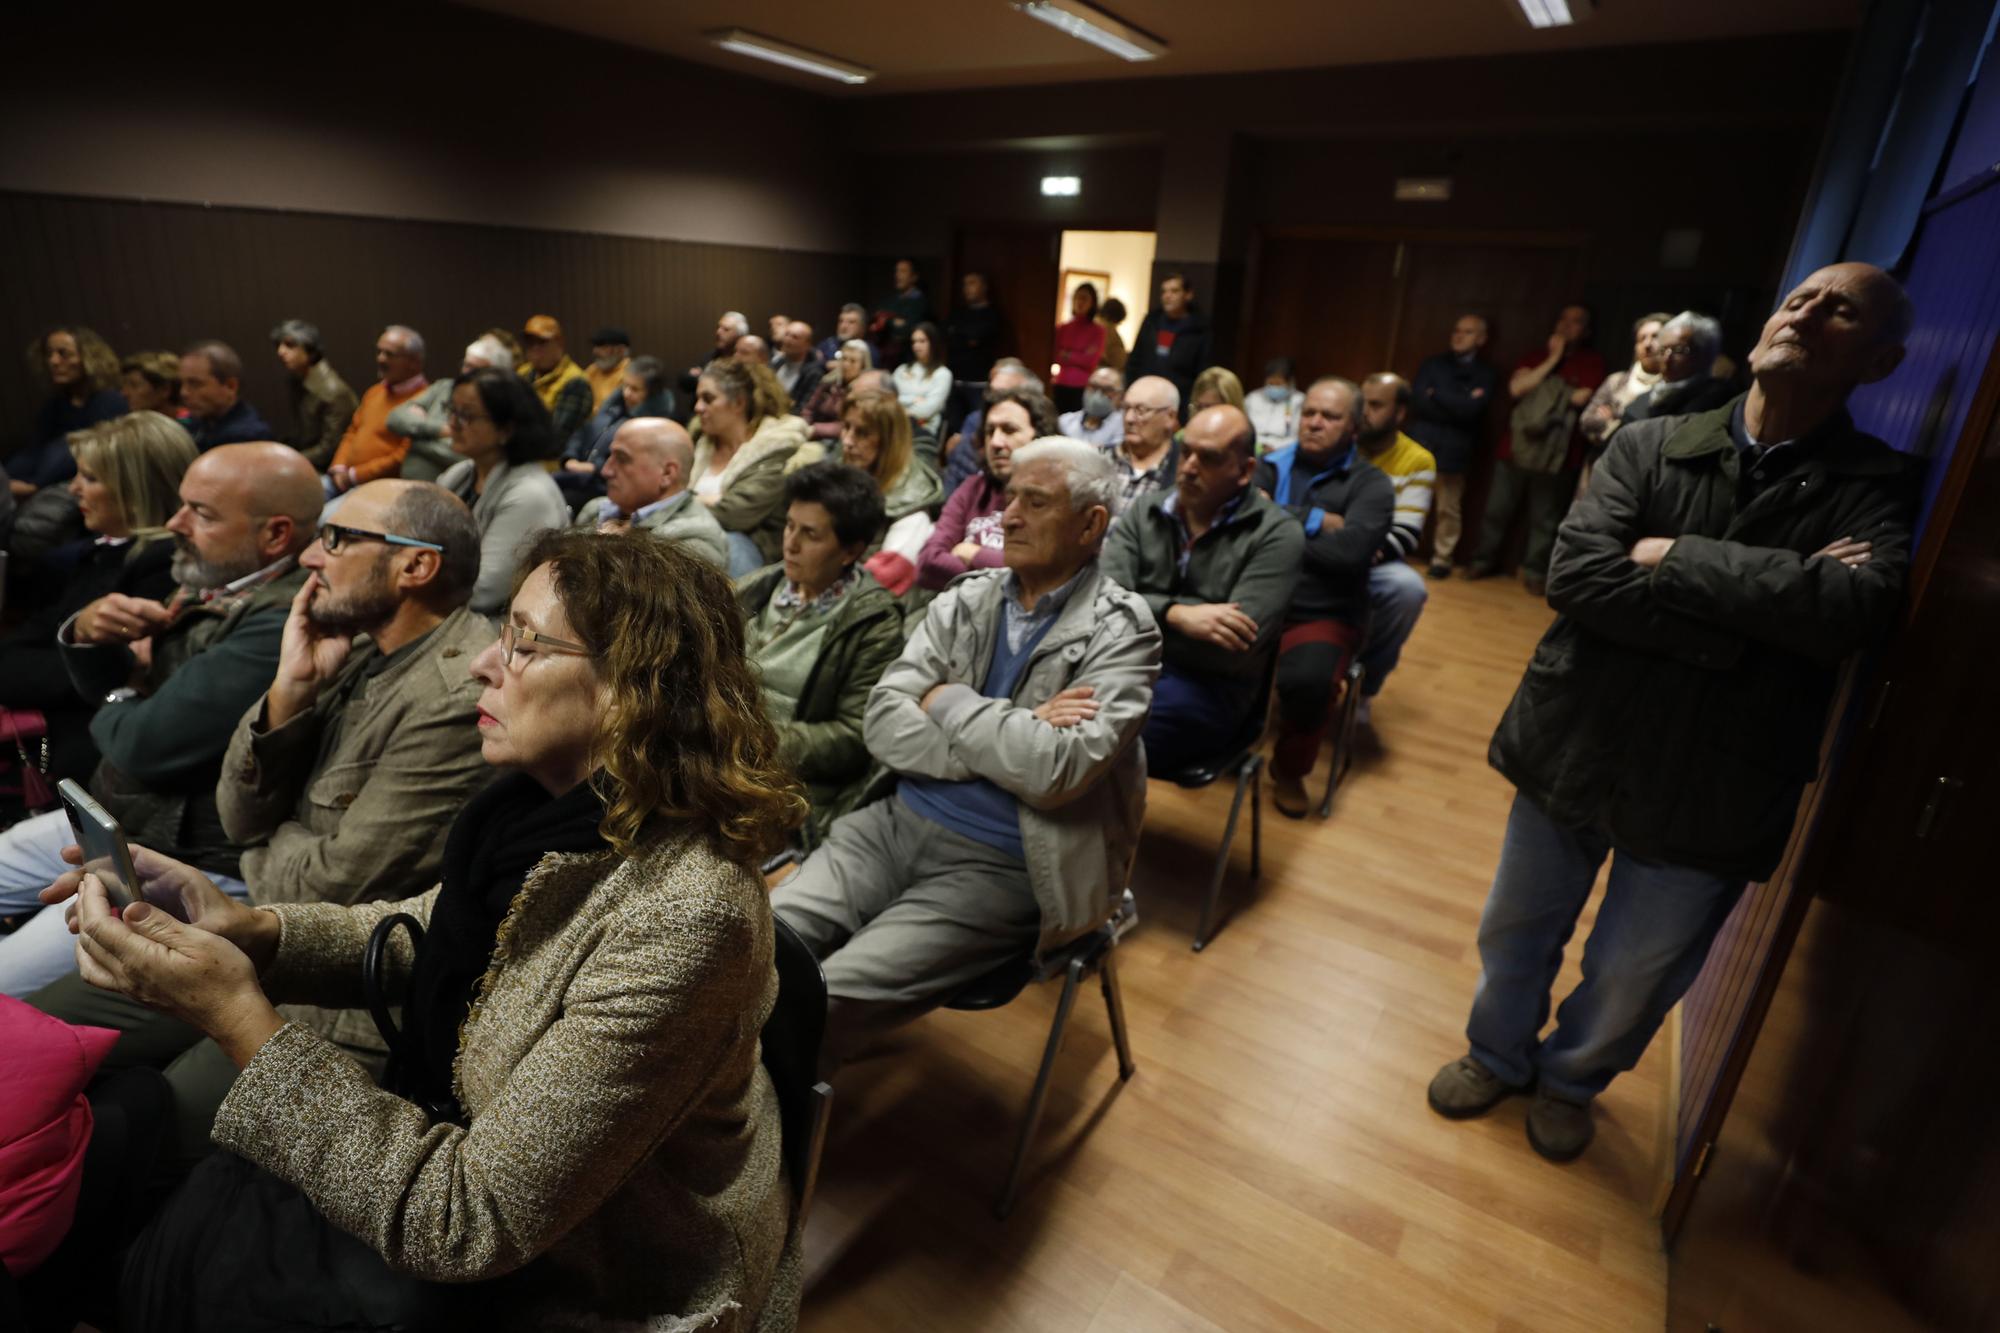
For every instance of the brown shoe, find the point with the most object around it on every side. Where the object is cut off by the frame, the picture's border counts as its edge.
(1465, 1088)
(1289, 796)
(1559, 1130)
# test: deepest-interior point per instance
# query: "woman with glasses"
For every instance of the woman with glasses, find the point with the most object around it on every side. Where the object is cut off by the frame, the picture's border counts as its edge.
(502, 433)
(576, 1127)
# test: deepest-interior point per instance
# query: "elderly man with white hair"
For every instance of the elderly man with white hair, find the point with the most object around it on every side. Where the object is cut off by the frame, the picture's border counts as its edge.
(732, 324)
(1011, 725)
(423, 421)
(1687, 345)
(370, 449)
(646, 488)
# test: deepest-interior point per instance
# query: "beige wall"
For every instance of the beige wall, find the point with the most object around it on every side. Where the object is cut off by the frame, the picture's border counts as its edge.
(1127, 256)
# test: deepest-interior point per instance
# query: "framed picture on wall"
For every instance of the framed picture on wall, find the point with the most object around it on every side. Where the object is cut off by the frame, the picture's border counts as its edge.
(1073, 278)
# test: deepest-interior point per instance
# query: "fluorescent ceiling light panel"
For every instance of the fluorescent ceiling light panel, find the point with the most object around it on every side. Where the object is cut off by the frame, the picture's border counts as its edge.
(759, 47)
(1087, 23)
(1062, 186)
(1554, 13)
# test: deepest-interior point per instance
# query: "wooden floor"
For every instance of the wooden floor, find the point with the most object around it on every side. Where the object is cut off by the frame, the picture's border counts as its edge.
(1272, 1165)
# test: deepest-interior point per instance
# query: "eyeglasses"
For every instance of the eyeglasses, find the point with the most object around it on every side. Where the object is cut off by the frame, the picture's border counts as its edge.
(331, 535)
(456, 417)
(1144, 409)
(1678, 349)
(512, 636)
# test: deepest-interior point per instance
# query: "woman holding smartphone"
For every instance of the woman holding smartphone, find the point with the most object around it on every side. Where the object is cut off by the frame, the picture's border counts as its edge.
(578, 1123)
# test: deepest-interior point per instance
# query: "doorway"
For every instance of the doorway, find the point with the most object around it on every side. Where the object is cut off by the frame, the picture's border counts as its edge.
(1117, 264)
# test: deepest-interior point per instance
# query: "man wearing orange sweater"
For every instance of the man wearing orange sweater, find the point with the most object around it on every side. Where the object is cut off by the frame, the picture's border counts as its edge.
(370, 449)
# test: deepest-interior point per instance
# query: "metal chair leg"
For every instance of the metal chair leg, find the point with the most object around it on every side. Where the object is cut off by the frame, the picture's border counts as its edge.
(1072, 977)
(1221, 866)
(1256, 816)
(1114, 1005)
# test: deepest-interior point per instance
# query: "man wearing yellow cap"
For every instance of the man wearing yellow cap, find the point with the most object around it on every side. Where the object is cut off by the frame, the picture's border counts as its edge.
(559, 382)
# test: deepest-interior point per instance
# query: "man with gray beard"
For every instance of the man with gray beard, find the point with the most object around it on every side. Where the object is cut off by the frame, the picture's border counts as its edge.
(341, 781)
(173, 677)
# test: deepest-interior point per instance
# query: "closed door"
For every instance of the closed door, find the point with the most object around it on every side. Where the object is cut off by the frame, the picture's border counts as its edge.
(1020, 268)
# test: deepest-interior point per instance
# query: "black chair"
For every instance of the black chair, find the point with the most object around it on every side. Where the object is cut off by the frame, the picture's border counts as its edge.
(1343, 733)
(1243, 759)
(1094, 953)
(791, 1042)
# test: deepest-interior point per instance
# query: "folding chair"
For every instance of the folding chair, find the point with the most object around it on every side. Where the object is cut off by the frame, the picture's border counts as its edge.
(1094, 953)
(791, 1041)
(1343, 734)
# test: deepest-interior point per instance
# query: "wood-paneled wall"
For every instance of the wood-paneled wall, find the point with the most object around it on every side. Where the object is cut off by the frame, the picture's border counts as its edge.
(151, 275)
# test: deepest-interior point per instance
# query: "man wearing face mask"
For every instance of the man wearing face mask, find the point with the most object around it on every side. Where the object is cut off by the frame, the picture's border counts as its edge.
(1098, 421)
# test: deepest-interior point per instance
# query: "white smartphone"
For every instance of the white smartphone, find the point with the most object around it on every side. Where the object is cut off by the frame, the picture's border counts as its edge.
(106, 854)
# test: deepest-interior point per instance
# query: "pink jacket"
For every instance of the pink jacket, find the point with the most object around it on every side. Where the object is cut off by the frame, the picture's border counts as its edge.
(1079, 347)
(44, 1127)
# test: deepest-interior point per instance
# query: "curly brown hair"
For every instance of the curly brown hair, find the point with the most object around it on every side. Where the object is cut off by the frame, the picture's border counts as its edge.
(685, 735)
(100, 363)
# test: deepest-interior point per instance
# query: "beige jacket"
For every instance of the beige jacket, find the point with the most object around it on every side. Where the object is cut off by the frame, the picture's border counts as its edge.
(351, 799)
(753, 484)
(622, 1151)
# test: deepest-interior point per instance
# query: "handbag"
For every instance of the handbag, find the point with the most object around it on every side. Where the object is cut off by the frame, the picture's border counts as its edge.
(21, 727)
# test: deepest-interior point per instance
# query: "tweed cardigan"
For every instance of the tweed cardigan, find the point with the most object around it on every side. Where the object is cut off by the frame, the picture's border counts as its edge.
(621, 1153)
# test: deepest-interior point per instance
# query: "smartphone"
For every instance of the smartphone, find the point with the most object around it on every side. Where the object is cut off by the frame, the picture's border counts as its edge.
(106, 854)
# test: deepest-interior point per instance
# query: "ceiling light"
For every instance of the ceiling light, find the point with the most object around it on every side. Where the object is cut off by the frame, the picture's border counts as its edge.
(1087, 23)
(1554, 13)
(1062, 186)
(791, 57)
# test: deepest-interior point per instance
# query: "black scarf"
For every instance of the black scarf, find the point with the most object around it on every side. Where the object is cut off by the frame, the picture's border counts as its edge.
(494, 843)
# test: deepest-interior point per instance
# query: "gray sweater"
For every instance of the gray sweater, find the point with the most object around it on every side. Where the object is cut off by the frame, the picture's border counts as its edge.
(519, 502)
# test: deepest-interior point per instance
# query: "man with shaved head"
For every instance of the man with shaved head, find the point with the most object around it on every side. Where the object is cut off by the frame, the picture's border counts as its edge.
(341, 780)
(1710, 583)
(1216, 561)
(172, 678)
(646, 487)
(752, 350)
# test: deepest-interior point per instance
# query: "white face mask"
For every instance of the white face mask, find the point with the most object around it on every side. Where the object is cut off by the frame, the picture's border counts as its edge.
(1278, 393)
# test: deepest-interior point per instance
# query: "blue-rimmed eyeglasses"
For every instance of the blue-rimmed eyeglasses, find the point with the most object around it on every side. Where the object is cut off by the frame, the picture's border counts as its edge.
(331, 535)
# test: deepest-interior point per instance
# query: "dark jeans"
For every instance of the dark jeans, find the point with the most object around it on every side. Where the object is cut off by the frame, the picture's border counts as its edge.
(1652, 936)
(1194, 717)
(1312, 657)
(1547, 496)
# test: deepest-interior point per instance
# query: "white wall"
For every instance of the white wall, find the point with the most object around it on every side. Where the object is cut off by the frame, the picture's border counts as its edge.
(1127, 256)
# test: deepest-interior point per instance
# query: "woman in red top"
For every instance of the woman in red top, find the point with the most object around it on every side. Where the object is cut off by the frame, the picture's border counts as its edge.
(1079, 347)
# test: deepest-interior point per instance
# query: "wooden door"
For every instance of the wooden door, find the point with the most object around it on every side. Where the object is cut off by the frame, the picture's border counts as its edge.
(1020, 268)
(1327, 302)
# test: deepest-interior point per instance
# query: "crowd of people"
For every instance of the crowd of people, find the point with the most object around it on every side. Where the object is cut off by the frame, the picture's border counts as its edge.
(488, 698)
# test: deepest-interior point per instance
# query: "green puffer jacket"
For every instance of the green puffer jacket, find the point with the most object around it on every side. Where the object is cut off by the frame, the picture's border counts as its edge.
(822, 742)
(1681, 708)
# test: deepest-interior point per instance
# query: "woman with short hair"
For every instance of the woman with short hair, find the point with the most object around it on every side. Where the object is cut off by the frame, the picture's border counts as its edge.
(502, 435)
(322, 403)
(151, 382)
(747, 445)
(577, 1128)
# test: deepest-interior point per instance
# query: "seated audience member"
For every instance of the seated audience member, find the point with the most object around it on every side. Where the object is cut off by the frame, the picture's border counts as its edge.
(1600, 419)
(1174, 339)
(1148, 451)
(923, 382)
(1274, 408)
(370, 450)
(174, 677)
(961, 451)
(340, 781)
(748, 442)
(1548, 387)
(777, 323)
(501, 434)
(426, 419)
(820, 631)
(581, 1108)
(1099, 421)
(1396, 592)
(80, 372)
(321, 402)
(851, 323)
(211, 393)
(1448, 405)
(1115, 354)
(1216, 563)
(558, 381)
(731, 326)
(1216, 387)
(796, 365)
(752, 350)
(610, 350)
(151, 382)
(127, 485)
(974, 335)
(876, 438)
(1345, 505)
(646, 472)
(1674, 711)
(1079, 349)
(644, 393)
(1688, 346)
(829, 396)
(969, 532)
(1011, 723)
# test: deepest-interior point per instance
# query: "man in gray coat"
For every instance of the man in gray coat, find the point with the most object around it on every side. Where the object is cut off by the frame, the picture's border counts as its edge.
(646, 487)
(1011, 723)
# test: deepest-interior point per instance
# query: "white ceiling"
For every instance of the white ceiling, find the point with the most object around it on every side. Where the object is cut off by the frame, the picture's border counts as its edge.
(924, 45)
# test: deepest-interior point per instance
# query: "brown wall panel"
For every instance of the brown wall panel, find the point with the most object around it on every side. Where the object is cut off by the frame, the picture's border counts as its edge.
(163, 275)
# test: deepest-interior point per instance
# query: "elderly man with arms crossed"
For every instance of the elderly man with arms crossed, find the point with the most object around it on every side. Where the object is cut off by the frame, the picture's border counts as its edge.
(646, 487)
(1709, 585)
(1011, 724)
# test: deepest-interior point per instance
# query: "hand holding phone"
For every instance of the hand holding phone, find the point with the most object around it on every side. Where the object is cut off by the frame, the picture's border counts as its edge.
(105, 851)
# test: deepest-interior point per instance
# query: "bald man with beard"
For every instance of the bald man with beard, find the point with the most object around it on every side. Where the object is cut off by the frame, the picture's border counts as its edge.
(173, 678)
(646, 487)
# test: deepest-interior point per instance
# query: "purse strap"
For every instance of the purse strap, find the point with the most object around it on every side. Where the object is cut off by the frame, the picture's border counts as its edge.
(372, 987)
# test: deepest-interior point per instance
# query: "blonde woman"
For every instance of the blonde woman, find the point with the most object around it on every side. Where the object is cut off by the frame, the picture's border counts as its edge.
(1215, 387)
(127, 485)
(875, 436)
(749, 441)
